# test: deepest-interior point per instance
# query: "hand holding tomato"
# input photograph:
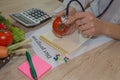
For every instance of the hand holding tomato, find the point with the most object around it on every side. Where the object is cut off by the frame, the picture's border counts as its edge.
(60, 29)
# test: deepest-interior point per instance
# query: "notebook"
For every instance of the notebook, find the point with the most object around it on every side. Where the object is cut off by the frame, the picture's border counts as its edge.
(40, 66)
(65, 45)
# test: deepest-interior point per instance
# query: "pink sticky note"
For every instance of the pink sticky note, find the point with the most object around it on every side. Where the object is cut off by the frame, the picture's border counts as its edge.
(40, 66)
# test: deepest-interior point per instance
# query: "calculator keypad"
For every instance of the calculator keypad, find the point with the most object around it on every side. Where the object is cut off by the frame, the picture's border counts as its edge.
(31, 17)
(36, 14)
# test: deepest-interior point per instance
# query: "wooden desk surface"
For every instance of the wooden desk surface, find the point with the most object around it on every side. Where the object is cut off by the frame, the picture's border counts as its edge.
(8, 7)
(102, 63)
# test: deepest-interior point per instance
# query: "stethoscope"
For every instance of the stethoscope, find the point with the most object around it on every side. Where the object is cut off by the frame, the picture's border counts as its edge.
(67, 8)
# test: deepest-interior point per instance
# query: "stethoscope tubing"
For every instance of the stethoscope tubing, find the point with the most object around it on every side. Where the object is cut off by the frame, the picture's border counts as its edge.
(67, 8)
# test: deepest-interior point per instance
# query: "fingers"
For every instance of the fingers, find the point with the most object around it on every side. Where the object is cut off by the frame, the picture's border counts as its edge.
(80, 15)
(86, 26)
(84, 21)
(87, 29)
(83, 28)
(87, 33)
(72, 29)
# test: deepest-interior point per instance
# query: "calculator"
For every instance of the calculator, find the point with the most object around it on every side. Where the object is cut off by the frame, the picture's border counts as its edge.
(31, 17)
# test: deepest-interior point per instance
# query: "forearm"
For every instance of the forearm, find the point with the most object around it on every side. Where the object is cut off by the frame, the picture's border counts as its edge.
(111, 30)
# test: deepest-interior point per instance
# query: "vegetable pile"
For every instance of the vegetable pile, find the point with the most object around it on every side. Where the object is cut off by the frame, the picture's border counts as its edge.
(5, 25)
(11, 37)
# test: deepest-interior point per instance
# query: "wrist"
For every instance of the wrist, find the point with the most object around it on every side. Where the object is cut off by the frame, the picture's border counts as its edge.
(105, 29)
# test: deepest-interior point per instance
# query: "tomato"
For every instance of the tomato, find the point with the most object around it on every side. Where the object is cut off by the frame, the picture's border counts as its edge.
(59, 28)
(2, 26)
(6, 38)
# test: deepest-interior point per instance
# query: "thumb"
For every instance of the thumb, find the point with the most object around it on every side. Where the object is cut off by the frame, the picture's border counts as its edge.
(72, 19)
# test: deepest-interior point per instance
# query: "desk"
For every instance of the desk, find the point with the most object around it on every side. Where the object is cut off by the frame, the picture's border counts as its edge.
(102, 63)
(7, 7)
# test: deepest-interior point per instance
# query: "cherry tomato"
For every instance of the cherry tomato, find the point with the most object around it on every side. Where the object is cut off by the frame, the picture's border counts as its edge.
(6, 38)
(2, 26)
(59, 28)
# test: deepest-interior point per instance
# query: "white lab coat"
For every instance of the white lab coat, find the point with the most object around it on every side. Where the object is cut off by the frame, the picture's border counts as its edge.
(97, 6)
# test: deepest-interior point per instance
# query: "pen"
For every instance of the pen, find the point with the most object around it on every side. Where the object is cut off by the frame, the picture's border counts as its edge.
(32, 69)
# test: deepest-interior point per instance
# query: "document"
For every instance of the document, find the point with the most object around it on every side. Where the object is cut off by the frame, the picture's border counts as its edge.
(66, 44)
(48, 53)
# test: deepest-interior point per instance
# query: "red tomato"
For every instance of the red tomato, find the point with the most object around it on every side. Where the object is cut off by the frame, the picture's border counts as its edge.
(59, 28)
(6, 38)
(2, 26)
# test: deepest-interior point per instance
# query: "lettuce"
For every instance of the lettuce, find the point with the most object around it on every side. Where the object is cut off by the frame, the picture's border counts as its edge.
(18, 34)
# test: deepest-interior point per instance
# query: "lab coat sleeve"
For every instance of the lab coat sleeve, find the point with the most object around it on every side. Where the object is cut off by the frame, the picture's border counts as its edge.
(75, 5)
(94, 7)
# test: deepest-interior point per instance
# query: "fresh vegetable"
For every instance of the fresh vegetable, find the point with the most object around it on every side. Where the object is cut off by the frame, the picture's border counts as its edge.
(2, 19)
(3, 27)
(18, 34)
(59, 28)
(5, 51)
(19, 44)
(11, 38)
(6, 38)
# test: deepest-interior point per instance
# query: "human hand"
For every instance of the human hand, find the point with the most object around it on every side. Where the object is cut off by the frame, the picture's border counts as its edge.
(60, 29)
(87, 23)
(71, 28)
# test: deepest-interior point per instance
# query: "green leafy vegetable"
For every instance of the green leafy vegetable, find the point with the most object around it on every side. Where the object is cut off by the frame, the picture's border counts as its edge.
(18, 34)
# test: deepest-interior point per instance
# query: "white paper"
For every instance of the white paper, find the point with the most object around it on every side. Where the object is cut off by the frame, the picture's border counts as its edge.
(48, 53)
